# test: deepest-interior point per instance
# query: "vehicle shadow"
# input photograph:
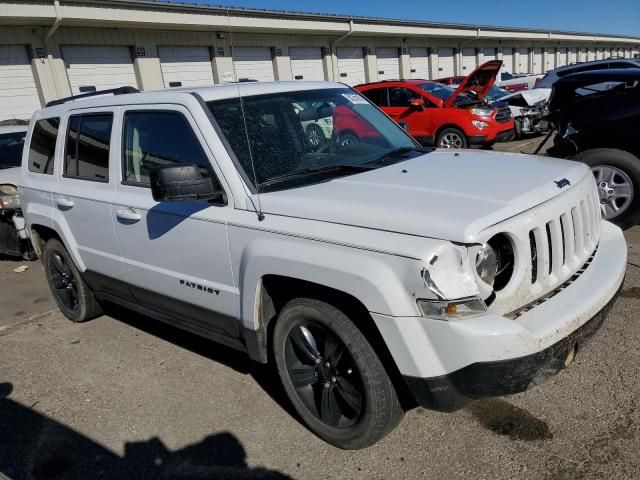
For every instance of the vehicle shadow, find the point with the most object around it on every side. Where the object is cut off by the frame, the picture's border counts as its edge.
(36, 447)
(264, 376)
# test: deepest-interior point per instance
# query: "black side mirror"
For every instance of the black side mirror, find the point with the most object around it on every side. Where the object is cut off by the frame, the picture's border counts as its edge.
(182, 181)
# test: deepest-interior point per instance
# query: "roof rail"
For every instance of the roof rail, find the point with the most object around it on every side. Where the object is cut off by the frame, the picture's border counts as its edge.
(113, 91)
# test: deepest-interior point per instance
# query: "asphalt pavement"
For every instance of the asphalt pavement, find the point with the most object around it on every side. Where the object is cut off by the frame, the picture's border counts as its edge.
(124, 396)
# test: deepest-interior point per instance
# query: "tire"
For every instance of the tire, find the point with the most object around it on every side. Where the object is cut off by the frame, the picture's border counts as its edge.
(348, 138)
(345, 372)
(315, 135)
(72, 294)
(613, 169)
(451, 137)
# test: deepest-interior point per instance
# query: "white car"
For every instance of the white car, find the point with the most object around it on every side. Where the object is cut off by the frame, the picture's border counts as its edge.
(518, 82)
(14, 240)
(529, 108)
(373, 276)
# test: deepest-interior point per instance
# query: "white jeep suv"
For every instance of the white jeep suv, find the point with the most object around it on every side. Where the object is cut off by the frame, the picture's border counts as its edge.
(374, 275)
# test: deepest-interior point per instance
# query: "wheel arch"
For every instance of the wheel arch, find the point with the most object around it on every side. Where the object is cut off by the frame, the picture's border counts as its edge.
(448, 125)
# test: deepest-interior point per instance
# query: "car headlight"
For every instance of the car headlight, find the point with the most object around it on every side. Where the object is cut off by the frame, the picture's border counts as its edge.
(9, 198)
(452, 309)
(482, 112)
(495, 261)
(479, 124)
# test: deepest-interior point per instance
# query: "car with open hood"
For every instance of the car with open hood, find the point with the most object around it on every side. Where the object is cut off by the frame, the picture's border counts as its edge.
(529, 108)
(444, 116)
(14, 241)
(372, 276)
(599, 126)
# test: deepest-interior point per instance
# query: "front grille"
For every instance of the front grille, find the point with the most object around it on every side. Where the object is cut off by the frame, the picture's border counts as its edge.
(566, 240)
(503, 115)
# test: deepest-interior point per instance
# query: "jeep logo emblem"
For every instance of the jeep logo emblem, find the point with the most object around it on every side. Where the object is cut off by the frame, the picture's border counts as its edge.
(562, 183)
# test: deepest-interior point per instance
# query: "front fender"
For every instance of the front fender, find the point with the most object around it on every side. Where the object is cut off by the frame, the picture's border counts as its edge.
(383, 283)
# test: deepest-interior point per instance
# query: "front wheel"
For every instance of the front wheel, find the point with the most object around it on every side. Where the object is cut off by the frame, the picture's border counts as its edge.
(332, 375)
(451, 138)
(617, 175)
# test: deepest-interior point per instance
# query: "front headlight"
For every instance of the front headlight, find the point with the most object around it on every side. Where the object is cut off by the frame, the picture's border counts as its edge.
(9, 198)
(482, 112)
(495, 261)
(479, 124)
(452, 309)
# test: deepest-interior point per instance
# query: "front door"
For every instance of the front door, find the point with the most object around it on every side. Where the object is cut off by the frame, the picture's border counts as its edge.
(175, 254)
(417, 118)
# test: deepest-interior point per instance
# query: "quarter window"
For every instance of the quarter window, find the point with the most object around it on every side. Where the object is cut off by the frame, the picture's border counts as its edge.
(154, 139)
(377, 96)
(87, 153)
(43, 146)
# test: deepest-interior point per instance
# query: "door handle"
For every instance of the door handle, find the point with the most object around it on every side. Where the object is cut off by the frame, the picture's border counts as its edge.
(129, 215)
(65, 203)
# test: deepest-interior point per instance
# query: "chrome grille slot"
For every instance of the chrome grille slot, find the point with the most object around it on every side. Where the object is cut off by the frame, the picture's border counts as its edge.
(578, 231)
(503, 115)
(556, 246)
(569, 238)
(550, 246)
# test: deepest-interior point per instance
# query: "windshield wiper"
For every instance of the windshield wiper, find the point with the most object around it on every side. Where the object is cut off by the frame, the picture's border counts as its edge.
(348, 168)
(395, 153)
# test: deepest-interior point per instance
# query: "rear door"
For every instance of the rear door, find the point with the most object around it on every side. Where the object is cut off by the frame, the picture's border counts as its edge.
(83, 194)
(175, 253)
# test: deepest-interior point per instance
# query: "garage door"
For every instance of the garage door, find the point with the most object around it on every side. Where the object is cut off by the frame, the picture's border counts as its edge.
(550, 62)
(523, 62)
(562, 57)
(253, 63)
(92, 68)
(591, 54)
(306, 63)
(388, 63)
(185, 66)
(351, 65)
(538, 66)
(507, 60)
(468, 60)
(445, 63)
(419, 62)
(573, 55)
(489, 54)
(18, 93)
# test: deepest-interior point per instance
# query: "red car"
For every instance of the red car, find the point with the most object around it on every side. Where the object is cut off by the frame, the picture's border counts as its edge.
(436, 114)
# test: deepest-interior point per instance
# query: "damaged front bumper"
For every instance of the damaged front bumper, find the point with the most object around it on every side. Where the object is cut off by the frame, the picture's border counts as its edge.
(447, 363)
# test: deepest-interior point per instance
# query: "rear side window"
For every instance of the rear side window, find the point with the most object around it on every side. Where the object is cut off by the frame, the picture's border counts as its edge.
(87, 153)
(154, 139)
(43, 146)
(377, 96)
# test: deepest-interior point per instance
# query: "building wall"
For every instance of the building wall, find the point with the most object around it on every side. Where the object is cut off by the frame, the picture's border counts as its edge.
(46, 48)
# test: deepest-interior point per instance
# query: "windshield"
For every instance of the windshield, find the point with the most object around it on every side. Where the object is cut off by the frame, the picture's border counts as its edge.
(443, 92)
(11, 145)
(292, 137)
(495, 93)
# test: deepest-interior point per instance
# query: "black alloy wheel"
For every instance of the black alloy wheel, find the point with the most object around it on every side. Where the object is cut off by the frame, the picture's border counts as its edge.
(324, 375)
(64, 285)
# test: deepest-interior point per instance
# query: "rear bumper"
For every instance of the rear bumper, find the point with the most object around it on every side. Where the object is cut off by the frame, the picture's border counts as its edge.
(505, 377)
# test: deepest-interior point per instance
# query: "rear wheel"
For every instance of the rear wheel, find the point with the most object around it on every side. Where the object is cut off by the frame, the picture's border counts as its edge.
(348, 138)
(332, 375)
(315, 135)
(72, 294)
(617, 175)
(451, 138)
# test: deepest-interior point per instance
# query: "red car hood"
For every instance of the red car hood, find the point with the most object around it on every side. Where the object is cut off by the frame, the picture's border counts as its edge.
(479, 81)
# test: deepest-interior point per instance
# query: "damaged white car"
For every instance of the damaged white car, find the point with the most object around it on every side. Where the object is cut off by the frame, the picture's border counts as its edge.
(372, 276)
(529, 109)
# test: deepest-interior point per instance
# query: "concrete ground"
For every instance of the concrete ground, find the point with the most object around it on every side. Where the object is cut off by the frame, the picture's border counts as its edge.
(126, 397)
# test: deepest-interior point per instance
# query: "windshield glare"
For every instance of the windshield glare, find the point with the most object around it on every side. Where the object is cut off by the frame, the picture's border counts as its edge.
(495, 93)
(303, 131)
(11, 145)
(443, 92)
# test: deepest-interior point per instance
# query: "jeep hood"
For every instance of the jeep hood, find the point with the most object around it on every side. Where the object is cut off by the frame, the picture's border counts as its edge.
(479, 82)
(443, 194)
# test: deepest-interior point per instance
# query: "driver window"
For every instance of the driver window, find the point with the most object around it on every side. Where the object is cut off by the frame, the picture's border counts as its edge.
(401, 97)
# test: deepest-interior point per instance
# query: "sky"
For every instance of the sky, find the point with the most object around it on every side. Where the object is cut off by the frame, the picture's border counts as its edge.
(594, 16)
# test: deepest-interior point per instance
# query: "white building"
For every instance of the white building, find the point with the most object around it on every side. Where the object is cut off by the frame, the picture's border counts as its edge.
(52, 49)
